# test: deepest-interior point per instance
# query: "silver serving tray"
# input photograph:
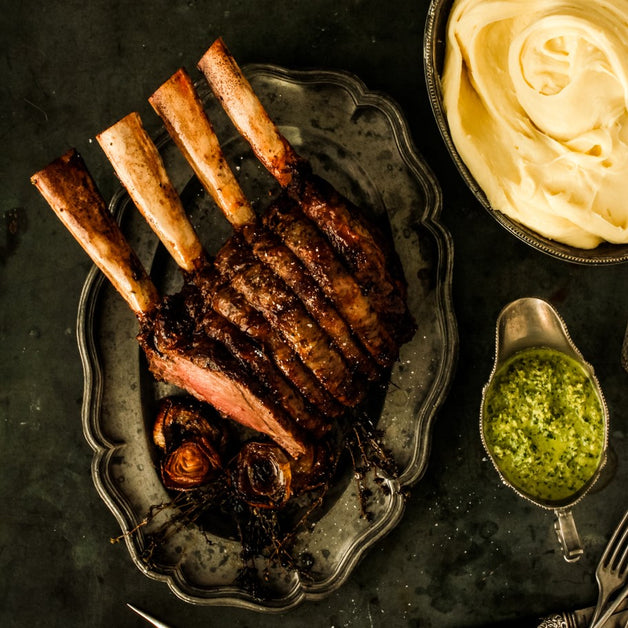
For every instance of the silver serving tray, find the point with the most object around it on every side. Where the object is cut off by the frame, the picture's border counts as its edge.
(359, 141)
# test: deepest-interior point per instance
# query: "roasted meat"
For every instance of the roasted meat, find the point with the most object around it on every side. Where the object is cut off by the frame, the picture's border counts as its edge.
(364, 327)
(282, 308)
(125, 143)
(284, 331)
(185, 323)
(272, 251)
(176, 353)
(307, 242)
(367, 253)
(234, 307)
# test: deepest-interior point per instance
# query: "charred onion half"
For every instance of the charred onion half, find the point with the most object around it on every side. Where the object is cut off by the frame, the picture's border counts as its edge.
(197, 448)
(262, 475)
(192, 443)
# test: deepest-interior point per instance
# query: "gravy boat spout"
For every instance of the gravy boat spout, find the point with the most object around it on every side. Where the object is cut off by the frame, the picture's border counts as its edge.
(545, 431)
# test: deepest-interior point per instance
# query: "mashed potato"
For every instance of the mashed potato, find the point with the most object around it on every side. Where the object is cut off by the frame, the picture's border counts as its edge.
(536, 97)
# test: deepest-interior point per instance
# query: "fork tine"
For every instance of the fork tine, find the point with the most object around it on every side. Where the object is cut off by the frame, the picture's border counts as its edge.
(622, 564)
(611, 546)
(611, 573)
(618, 545)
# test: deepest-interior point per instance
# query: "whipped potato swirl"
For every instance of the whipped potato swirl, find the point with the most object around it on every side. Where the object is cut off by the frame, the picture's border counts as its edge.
(536, 98)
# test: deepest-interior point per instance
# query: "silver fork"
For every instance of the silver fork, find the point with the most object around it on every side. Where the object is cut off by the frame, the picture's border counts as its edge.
(612, 574)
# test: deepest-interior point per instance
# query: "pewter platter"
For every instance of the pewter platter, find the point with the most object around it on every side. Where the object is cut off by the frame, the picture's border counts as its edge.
(359, 141)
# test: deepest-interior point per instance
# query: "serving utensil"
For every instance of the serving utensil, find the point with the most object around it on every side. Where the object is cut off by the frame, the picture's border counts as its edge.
(602, 622)
(612, 574)
(151, 620)
(523, 324)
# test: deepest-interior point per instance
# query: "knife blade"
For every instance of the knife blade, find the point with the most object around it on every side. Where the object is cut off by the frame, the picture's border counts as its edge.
(151, 620)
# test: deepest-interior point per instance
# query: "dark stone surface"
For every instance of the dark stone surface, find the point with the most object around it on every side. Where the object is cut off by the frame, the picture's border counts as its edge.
(467, 552)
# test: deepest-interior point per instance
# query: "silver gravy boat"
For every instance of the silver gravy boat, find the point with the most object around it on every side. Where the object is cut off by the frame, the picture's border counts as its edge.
(524, 324)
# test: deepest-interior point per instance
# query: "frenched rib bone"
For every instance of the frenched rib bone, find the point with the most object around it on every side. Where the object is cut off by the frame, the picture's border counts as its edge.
(179, 106)
(198, 364)
(247, 113)
(71, 192)
(363, 249)
(141, 170)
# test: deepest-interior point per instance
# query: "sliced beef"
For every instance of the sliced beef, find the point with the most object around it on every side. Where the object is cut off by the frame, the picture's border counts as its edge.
(251, 355)
(367, 252)
(234, 307)
(208, 370)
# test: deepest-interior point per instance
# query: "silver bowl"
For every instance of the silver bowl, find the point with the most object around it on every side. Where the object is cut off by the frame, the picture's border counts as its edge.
(433, 57)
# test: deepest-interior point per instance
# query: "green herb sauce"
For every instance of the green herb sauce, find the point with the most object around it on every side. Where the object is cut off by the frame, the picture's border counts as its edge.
(543, 424)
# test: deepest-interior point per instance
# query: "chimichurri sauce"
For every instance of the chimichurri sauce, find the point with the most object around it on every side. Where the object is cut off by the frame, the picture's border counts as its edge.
(543, 424)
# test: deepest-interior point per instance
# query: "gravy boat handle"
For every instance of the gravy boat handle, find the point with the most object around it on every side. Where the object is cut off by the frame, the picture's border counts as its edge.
(567, 534)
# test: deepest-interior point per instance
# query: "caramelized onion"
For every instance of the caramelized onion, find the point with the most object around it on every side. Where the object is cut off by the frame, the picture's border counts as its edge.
(190, 465)
(178, 418)
(262, 476)
(193, 442)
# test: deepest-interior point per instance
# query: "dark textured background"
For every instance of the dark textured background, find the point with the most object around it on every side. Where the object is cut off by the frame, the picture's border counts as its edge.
(468, 552)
